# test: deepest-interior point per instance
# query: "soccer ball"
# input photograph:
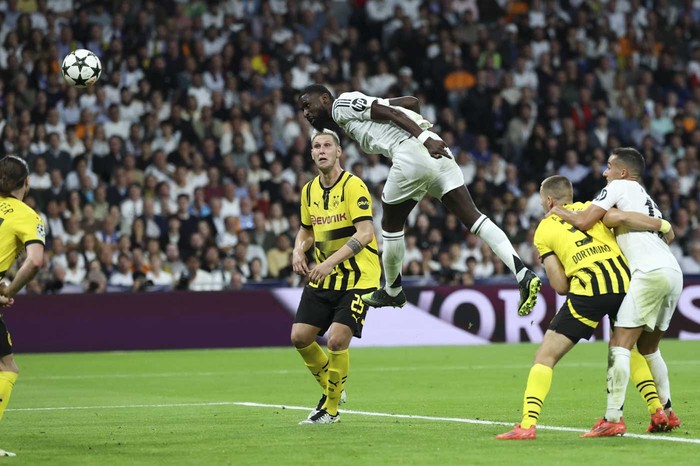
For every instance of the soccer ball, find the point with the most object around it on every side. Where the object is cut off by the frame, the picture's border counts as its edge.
(81, 68)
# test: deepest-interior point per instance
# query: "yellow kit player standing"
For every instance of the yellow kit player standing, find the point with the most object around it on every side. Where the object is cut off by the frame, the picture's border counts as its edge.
(20, 228)
(336, 218)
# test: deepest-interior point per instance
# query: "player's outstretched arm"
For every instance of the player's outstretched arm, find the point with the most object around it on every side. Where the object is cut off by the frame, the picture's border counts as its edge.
(583, 219)
(407, 101)
(31, 266)
(363, 236)
(302, 243)
(436, 147)
(556, 275)
(632, 220)
(638, 221)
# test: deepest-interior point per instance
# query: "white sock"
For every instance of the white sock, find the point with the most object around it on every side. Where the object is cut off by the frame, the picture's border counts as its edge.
(393, 252)
(658, 368)
(618, 378)
(485, 229)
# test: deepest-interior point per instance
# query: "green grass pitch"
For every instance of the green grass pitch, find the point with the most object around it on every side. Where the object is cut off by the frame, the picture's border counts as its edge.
(187, 408)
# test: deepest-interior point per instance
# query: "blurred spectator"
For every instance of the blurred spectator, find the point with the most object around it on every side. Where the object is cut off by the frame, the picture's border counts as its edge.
(207, 100)
(278, 256)
(122, 276)
(690, 264)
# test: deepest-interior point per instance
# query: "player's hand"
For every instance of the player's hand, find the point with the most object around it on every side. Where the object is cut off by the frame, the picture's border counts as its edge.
(299, 264)
(669, 237)
(320, 272)
(5, 301)
(556, 210)
(437, 148)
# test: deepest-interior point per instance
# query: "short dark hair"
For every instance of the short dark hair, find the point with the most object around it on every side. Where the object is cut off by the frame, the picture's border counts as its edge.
(316, 89)
(13, 172)
(630, 158)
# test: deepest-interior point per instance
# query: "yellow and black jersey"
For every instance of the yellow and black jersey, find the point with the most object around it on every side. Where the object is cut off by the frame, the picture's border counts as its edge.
(592, 259)
(332, 213)
(20, 226)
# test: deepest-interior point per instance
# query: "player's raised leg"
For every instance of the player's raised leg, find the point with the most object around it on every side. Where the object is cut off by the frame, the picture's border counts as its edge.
(393, 251)
(460, 203)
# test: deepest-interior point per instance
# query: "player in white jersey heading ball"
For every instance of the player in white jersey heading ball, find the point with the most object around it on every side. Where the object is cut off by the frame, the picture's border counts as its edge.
(421, 164)
(654, 290)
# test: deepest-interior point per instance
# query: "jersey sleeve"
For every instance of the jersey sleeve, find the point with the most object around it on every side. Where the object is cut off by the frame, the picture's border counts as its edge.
(305, 214)
(542, 240)
(358, 200)
(30, 229)
(352, 106)
(609, 196)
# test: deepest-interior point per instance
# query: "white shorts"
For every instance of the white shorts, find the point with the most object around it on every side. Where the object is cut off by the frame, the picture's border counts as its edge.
(414, 173)
(651, 299)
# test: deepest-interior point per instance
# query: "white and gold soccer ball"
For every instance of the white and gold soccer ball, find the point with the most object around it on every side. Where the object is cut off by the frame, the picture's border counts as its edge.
(81, 68)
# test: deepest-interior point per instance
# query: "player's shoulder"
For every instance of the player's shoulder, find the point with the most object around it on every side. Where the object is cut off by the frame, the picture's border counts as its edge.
(549, 228)
(353, 101)
(19, 208)
(544, 226)
(349, 96)
(355, 182)
(307, 191)
(623, 185)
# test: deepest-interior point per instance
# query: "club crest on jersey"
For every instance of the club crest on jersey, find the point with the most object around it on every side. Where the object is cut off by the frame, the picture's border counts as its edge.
(359, 104)
(363, 203)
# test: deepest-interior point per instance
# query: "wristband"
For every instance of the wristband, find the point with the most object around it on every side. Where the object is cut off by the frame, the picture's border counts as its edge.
(665, 226)
(423, 136)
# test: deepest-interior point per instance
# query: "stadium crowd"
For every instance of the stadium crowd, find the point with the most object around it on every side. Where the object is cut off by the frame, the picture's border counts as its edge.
(181, 168)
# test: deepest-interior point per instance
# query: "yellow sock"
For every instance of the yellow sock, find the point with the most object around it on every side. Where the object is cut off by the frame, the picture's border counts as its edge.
(644, 381)
(338, 367)
(317, 362)
(7, 382)
(538, 384)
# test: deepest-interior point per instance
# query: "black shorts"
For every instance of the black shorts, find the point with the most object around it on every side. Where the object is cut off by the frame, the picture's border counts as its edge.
(5, 340)
(580, 315)
(321, 308)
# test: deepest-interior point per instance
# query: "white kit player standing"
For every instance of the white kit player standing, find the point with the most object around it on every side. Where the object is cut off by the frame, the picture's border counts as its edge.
(421, 164)
(653, 294)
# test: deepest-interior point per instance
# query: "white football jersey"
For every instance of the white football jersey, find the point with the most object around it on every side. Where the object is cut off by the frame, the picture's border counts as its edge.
(352, 111)
(645, 251)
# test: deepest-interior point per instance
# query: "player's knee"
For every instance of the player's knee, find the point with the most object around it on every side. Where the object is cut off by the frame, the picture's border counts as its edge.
(546, 358)
(338, 343)
(301, 339)
(646, 348)
(11, 367)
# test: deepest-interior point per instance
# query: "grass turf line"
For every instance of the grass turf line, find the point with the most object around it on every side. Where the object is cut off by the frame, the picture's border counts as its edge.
(479, 383)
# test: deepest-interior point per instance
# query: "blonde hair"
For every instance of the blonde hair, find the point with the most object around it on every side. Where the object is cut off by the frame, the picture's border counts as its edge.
(315, 133)
(559, 187)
